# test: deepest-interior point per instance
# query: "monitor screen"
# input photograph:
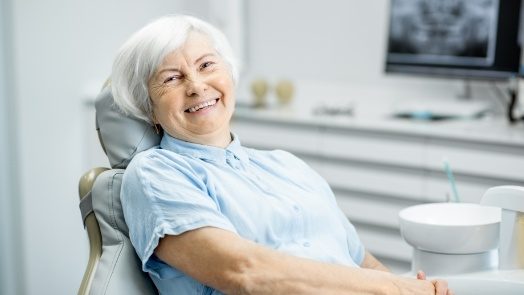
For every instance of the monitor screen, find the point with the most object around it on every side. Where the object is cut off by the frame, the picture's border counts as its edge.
(475, 39)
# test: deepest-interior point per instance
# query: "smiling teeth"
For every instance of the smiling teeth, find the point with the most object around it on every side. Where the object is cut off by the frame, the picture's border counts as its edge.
(202, 105)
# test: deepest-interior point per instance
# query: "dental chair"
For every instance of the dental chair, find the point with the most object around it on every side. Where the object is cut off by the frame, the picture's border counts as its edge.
(113, 266)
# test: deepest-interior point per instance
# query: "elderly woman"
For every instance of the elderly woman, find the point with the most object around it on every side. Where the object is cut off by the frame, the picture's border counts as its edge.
(207, 215)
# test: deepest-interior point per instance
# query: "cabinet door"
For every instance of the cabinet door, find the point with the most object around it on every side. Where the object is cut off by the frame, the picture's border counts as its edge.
(373, 147)
(485, 160)
(396, 182)
(264, 135)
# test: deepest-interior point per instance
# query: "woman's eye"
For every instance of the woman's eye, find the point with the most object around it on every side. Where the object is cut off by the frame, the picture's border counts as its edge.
(206, 64)
(172, 78)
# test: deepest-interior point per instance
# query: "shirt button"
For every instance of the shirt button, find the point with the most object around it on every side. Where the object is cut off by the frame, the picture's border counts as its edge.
(232, 163)
(295, 207)
(306, 244)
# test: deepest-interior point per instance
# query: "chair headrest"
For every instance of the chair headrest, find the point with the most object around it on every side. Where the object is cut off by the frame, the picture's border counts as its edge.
(121, 136)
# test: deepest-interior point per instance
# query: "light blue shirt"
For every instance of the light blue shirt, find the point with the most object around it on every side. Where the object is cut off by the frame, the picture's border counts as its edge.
(269, 197)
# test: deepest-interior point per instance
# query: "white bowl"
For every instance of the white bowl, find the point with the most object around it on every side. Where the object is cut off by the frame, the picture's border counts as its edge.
(451, 228)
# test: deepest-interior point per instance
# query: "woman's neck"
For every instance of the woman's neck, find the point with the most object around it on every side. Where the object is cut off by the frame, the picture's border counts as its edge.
(221, 140)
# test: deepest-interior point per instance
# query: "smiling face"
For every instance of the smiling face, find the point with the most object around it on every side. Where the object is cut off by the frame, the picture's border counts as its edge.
(192, 93)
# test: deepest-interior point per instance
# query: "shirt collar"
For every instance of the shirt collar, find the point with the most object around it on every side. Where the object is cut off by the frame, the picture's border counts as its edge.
(234, 151)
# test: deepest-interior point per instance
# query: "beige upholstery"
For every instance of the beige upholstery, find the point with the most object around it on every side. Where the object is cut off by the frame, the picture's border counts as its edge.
(113, 267)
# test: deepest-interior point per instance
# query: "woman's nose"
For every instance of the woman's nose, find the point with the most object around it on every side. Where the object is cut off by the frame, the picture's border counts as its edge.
(196, 87)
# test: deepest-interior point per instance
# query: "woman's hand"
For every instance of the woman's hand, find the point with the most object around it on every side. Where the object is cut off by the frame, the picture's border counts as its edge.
(409, 286)
(441, 286)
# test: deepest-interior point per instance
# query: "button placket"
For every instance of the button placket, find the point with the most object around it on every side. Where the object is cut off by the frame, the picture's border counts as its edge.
(299, 221)
(232, 160)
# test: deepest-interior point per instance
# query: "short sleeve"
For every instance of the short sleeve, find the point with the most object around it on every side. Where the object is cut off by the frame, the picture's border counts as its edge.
(355, 246)
(162, 194)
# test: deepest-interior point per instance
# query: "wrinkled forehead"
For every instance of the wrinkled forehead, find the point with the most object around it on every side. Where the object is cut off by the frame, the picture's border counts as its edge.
(192, 41)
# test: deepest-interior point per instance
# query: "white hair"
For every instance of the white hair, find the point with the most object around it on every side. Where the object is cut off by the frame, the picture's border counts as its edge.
(139, 57)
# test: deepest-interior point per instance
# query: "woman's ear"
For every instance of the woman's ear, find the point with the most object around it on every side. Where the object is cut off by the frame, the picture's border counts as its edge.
(153, 118)
(156, 124)
(158, 128)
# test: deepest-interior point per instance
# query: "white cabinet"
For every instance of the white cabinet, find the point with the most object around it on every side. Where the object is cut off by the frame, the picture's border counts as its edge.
(378, 167)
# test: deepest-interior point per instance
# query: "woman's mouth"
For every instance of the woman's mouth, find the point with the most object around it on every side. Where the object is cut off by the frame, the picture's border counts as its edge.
(203, 105)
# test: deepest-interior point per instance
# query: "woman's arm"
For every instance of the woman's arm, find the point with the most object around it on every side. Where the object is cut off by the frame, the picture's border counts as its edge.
(233, 265)
(372, 263)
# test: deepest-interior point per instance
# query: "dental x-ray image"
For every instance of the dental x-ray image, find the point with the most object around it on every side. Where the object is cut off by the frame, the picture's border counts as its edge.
(443, 31)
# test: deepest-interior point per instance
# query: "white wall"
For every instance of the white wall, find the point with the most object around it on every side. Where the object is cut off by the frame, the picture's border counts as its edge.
(326, 40)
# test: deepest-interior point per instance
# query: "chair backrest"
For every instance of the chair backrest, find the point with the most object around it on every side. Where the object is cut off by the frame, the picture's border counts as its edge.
(113, 267)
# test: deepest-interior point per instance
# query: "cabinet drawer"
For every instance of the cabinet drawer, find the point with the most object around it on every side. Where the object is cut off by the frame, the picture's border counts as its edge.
(385, 244)
(274, 136)
(378, 211)
(470, 189)
(371, 179)
(493, 161)
(376, 148)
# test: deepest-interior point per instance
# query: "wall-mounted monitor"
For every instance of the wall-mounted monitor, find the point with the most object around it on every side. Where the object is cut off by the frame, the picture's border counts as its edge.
(472, 39)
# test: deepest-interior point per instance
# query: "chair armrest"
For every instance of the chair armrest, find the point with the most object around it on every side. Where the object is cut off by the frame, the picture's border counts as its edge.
(93, 230)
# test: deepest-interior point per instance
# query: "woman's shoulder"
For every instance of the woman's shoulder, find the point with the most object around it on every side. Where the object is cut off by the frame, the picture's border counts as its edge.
(152, 155)
(158, 160)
